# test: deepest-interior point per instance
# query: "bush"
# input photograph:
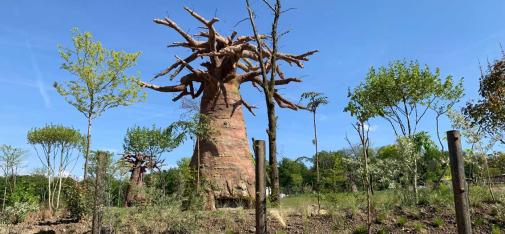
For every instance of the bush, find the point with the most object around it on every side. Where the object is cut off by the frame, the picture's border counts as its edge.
(437, 222)
(18, 211)
(79, 199)
(361, 230)
(401, 221)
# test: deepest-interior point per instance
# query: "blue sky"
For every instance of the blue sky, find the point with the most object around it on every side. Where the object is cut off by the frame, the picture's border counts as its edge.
(351, 35)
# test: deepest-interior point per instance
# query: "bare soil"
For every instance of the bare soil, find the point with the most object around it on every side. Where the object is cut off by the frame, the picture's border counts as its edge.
(425, 219)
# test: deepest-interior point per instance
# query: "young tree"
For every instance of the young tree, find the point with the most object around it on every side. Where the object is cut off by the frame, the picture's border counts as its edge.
(362, 107)
(197, 127)
(11, 159)
(226, 159)
(57, 144)
(101, 81)
(479, 140)
(489, 112)
(268, 85)
(143, 148)
(314, 100)
(404, 92)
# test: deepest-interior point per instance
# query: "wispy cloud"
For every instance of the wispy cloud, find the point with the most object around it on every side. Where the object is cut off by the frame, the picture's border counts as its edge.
(38, 76)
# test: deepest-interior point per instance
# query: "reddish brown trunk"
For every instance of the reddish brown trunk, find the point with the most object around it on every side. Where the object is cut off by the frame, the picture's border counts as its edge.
(134, 193)
(226, 163)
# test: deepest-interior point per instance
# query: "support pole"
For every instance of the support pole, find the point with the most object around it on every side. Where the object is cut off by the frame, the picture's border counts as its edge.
(101, 161)
(261, 202)
(459, 186)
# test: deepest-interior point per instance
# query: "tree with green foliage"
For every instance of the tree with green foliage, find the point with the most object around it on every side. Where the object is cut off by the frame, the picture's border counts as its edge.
(362, 106)
(315, 100)
(488, 113)
(101, 81)
(57, 144)
(481, 143)
(143, 148)
(293, 176)
(195, 128)
(404, 91)
(11, 159)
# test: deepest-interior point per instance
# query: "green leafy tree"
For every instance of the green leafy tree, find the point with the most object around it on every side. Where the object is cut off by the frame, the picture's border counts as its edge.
(197, 128)
(488, 113)
(11, 159)
(57, 144)
(293, 175)
(314, 101)
(101, 80)
(143, 148)
(481, 143)
(362, 106)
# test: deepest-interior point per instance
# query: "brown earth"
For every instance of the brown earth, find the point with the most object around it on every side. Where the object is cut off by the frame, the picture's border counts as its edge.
(421, 220)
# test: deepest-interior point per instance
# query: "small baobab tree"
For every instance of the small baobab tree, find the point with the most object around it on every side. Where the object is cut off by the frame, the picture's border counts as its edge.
(315, 100)
(143, 148)
(226, 160)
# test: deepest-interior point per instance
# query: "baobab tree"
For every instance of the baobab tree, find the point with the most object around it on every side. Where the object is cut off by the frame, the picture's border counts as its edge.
(226, 159)
(143, 148)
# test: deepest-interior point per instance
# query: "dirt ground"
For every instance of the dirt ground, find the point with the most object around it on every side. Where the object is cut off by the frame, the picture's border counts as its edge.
(425, 219)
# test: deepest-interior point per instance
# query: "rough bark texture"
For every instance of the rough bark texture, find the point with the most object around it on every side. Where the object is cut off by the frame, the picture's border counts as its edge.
(226, 161)
(135, 187)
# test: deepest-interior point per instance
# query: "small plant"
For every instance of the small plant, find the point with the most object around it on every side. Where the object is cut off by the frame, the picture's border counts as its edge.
(18, 212)
(419, 227)
(495, 229)
(362, 229)
(401, 221)
(437, 222)
(381, 217)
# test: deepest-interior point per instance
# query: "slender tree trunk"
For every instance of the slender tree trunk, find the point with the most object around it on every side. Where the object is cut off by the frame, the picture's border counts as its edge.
(318, 179)
(416, 194)
(198, 166)
(88, 147)
(5, 192)
(364, 146)
(489, 179)
(272, 118)
(272, 152)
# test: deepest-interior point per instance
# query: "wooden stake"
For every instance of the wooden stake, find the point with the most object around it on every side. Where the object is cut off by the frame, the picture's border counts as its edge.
(459, 183)
(99, 192)
(261, 202)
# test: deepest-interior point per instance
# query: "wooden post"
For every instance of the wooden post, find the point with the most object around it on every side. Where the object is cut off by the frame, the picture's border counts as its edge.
(99, 203)
(261, 202)
(459, 183)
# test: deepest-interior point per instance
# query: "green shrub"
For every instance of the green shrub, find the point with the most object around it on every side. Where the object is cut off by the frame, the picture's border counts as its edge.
(362, 229)
(401, 221)
(381, 217)
(79, 199)
(437, 222)
(495, 229)
(18, 211)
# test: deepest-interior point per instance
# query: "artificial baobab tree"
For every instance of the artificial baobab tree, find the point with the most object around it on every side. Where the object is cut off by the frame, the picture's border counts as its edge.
(226, 159)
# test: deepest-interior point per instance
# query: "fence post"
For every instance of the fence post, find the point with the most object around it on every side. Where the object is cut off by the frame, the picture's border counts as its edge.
(99, 203)
(459, 186)
(261, 204)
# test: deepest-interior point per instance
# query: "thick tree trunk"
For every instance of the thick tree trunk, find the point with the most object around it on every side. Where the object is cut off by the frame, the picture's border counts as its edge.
(226, 169)
(134, 193)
